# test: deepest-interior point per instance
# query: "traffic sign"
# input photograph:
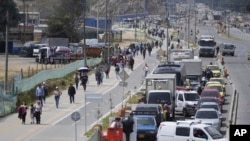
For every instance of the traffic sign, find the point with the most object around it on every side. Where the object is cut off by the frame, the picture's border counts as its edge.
(93, 97)
(122, 83)
(75, 116)
(123, 75)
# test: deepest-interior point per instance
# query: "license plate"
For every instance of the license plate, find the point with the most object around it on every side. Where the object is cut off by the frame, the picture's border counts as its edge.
(141, 136)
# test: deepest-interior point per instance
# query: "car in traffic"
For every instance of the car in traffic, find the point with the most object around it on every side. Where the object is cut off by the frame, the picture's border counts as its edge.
(212, 105)
(207, 92)
(146, 127)
(227, 49)
(188, 130)
(215, 70)
(150, 109)
(215, 85)
(209, 116)
(208, 99)
(220, 80)
(186, 102)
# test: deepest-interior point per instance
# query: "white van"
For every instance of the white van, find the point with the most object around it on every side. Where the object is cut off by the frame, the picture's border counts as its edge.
(188, 130)
(186, 102)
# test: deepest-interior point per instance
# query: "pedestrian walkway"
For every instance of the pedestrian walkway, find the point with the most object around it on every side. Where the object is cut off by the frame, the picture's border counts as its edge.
(12, 129)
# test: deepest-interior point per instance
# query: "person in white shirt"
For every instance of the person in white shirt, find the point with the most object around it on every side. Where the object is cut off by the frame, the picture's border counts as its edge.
(146, 70)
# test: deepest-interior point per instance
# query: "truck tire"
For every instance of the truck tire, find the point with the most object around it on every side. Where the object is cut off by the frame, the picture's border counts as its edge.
(185, 113)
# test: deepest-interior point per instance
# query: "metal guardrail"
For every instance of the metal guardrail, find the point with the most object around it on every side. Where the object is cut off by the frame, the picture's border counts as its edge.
(29, 83)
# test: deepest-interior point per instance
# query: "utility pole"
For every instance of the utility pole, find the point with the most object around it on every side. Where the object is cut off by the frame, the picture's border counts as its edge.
(84, 32)
(228, 25)
(135, 19)
(24, 23)
(167, 37)
(6, 52)
(106, 26)
(97, 24)
(195, 26)
(188, 25)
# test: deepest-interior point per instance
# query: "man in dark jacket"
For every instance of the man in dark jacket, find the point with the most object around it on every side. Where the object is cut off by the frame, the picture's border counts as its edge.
(71, 93)
(84, 79)
(131, 63)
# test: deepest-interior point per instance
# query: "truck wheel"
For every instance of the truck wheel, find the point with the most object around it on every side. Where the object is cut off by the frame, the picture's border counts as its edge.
(185, 114)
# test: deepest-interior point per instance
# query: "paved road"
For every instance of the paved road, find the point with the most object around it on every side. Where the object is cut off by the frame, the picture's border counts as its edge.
(239, 69)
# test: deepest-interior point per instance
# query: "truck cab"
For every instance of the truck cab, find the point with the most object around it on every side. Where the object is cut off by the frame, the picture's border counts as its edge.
(186, 102)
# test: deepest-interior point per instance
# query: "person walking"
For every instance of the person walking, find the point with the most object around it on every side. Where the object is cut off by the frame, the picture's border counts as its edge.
(84, 80)
(144, 53)
(98, 76)
(217, 50)
(76, 77)
(117, 70)
(57, 94)
(131, 63)
(107, 71)
(71, 93)
(32, 113)
(38, 112)
(45, 89)
(22, 112)
(40, 93)
(146, 70)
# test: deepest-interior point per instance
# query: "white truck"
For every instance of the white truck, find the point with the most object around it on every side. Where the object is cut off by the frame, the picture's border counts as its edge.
(180, 54)
(163, 86)
(193, 71)
(186, 102)
(188, 131)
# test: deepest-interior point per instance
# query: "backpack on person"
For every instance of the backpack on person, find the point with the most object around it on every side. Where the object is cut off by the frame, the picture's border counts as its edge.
(117, 68)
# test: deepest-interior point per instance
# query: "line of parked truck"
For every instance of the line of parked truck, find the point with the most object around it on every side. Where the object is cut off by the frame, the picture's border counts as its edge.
(48, 54)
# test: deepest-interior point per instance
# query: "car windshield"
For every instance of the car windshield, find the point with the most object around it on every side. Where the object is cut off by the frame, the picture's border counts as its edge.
(206, 114)
(146, 109)
(213, 67)
(210, 106)
(159, 98)
(192, 78)
(209, 94)
(191, 96)
(145, 121)
(206, 43)
(221, 81)
(219, 88)
(215, 134)
(229, 47)
(208, 100)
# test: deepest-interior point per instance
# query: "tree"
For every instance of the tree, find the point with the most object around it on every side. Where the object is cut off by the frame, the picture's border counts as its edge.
(13, 14)
(64, 22)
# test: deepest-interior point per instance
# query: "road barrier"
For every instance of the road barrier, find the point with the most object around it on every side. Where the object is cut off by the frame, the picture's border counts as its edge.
(234, 100)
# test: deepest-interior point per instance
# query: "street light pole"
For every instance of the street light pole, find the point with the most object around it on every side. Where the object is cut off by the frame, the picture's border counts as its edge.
(6, 52)
(106, 28)
(167, 37)
(84, 32)
(188, 25)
